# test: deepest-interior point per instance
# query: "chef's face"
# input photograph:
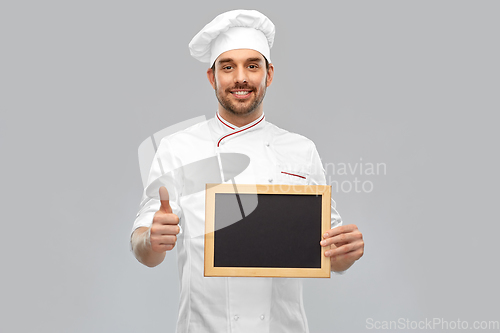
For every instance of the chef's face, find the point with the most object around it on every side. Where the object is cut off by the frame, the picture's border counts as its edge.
(240, 79)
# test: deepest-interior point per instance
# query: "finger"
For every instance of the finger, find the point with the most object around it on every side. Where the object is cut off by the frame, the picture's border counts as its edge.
(351, 247)
(332, 243)
(164, 199)
(349, 256)
(163, 240)
(161, 218)
(165, 229)
(340, 230)
(162, 248)
(342, 239)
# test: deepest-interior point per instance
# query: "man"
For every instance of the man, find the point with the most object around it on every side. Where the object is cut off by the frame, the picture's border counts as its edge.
(237, 46)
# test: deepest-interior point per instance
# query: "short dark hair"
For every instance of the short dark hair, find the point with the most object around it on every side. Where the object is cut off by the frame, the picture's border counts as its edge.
(267, 65)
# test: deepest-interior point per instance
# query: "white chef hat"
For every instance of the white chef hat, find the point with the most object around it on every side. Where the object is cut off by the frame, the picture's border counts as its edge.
(236, 29)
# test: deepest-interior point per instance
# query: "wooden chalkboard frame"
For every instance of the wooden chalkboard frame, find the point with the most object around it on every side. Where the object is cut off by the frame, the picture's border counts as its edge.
(318, 190)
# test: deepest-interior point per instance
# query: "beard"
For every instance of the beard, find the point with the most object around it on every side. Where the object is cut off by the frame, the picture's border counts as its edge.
(245, 107)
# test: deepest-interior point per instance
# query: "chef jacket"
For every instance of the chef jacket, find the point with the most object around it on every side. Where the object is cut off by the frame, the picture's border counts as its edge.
(232, 304)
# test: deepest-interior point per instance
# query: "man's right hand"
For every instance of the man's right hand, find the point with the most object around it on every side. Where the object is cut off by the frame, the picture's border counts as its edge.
(165, 225)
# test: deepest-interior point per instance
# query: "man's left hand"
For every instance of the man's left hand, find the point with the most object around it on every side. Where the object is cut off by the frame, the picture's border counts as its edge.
(347, 246)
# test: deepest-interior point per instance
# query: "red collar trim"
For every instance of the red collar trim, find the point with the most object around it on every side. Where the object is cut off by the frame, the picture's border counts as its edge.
(223, 121)
(239, 131)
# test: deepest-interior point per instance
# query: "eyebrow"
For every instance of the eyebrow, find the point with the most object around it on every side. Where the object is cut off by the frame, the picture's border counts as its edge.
(226, 60)
(254, 60)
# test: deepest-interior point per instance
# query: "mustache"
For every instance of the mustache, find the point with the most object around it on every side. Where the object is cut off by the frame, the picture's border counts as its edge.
(245, 86)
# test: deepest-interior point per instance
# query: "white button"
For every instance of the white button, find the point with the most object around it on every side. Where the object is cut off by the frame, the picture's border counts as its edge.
(270, 180)
(262, 317)
(236, 317)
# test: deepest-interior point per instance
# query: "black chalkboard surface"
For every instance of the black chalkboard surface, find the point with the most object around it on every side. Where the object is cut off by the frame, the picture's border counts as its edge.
(266, 230)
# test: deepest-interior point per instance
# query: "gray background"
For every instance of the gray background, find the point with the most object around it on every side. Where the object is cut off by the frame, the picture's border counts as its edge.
(412, 84)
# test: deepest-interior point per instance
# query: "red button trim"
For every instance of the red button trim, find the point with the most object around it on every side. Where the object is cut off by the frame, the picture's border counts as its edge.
(291, 174)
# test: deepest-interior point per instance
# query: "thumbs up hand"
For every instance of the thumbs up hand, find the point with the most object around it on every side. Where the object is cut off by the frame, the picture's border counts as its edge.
(165, 225)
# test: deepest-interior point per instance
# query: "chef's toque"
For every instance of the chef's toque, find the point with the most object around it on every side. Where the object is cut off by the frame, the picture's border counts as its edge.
(236, 29)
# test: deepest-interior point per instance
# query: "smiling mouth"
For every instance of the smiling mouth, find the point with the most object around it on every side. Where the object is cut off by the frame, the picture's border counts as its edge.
(241, 93)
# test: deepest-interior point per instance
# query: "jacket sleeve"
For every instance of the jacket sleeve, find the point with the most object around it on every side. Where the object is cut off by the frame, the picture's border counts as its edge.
(166, 166)
(317, 177)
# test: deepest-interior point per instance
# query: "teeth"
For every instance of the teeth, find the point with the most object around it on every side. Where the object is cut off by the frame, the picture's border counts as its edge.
(240, 92)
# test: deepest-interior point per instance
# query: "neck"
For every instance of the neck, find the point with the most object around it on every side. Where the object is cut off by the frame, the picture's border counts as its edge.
(239, 120)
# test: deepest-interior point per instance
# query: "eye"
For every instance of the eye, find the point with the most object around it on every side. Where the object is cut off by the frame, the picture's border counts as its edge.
(253, 66)
(228, 67)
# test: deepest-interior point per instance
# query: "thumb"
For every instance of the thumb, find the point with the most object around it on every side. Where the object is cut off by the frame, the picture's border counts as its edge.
(164, 199)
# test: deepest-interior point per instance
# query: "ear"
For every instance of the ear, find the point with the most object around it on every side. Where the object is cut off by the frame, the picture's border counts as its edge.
(211, 77)
(270, 74)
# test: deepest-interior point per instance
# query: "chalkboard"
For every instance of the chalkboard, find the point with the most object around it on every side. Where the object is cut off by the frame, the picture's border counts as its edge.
(266, 230)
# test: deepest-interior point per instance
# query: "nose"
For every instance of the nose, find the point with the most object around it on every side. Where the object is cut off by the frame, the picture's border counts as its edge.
(240, 76)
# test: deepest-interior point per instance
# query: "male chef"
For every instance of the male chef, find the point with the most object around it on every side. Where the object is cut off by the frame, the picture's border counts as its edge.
(236, 45)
